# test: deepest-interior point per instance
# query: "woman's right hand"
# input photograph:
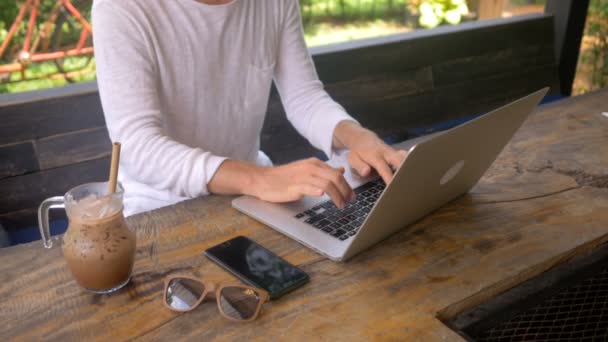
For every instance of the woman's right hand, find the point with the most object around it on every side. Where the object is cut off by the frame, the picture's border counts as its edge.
(308, 177)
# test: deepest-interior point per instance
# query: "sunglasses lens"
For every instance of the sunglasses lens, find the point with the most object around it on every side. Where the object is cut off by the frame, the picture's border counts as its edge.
(238, 302)
(183, 293)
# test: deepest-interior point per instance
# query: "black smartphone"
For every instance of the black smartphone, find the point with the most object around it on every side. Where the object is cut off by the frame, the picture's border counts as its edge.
(257, 266)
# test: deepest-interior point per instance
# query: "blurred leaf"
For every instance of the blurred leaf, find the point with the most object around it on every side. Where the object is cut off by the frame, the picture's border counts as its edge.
(592, 69)
(429, 20)
(453, 16)
(435, 12)
(426, 9)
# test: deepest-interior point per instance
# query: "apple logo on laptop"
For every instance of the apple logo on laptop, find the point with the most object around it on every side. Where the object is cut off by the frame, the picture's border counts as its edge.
(451, 172)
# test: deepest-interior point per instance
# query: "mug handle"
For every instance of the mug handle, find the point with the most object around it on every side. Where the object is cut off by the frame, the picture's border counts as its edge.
(43, 218)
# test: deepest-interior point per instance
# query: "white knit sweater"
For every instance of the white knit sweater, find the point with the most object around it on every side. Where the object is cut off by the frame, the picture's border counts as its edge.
(185, 85)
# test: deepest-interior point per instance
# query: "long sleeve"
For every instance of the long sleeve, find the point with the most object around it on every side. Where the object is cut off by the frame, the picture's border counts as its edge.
(308, 107)
(127, 75)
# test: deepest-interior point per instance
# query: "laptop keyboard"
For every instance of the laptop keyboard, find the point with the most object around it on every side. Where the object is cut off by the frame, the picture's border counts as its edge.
(344, 223)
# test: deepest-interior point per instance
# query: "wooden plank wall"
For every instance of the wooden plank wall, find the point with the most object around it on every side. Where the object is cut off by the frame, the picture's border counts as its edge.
(391, 84)
(406, 81)
(47, 147)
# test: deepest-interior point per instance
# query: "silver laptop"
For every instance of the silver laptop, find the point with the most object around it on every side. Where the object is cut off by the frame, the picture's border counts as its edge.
(438, 169)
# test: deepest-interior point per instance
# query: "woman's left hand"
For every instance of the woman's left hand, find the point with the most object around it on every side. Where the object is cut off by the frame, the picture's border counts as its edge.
(367, 150)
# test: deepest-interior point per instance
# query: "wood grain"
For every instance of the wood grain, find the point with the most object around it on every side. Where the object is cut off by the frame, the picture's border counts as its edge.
(16, 220)
(33, 120)
(28, 191)
(17, 159)
(73, 147)
(494, 63)
(429, 47)
(543, 201)
(20, 218)
(478, 96)
(381, 86)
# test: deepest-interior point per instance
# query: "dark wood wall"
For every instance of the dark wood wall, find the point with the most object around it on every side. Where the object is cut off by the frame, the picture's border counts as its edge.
(47, 147)
(399, 83)
(395, 85)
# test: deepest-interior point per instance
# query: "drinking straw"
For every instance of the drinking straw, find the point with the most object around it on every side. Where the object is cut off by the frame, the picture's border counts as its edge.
(114, 166)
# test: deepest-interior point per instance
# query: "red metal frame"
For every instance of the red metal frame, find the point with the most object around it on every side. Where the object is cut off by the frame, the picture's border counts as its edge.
(30, 26)
(77, 15)
(27, 56)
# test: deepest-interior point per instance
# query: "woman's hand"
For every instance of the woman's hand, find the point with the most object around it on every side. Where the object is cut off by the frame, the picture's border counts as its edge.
(309, 177)
(286, 183)
(367, 151)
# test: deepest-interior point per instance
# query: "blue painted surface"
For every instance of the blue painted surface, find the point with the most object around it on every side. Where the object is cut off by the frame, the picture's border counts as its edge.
(32, 233)
(444, 125)
(4, 239)
(552, 98)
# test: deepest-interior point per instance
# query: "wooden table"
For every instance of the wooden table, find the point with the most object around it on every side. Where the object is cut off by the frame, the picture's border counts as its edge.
(544, 200)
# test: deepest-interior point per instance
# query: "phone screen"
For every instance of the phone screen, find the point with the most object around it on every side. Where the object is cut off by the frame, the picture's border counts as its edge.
(257, 266)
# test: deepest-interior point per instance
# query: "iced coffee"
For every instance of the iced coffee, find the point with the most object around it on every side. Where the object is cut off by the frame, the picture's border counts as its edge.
(99, 247)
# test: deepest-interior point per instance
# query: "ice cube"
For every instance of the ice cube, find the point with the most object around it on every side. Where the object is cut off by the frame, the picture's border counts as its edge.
(96, 207)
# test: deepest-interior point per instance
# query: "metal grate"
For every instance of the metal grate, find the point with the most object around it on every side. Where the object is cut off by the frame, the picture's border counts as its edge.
(576, 313)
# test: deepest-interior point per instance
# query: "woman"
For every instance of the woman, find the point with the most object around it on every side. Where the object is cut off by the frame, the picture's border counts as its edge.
(184, 86)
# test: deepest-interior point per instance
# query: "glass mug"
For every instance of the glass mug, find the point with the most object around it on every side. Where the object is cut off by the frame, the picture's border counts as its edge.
(98, 246)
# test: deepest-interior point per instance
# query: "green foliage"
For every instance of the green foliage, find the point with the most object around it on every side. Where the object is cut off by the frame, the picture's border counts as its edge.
(325, 21)
(43, 75)
(3, 32)
(596, 56)
(327, 33)
(435, 12)
(529, 2)
(10, 8)
(8, 11)
(315, 11)
(37, 76)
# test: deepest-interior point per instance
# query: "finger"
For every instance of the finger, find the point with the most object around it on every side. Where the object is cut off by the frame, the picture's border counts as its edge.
(326, 166)
(308, 190)
(395, 158)
(335, 175)
(381, 166)
(359, 165)
(337, 178)
(330, 189)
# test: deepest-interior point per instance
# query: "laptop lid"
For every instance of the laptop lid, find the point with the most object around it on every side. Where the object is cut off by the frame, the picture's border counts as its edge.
(440, 169)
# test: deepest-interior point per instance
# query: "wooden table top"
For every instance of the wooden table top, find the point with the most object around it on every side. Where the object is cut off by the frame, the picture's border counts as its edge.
(543, 201)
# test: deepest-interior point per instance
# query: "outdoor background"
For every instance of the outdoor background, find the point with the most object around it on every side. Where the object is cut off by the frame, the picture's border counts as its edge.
(325, 22)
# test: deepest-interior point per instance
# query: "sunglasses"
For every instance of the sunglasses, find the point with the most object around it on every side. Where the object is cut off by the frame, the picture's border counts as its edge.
(236, 302)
